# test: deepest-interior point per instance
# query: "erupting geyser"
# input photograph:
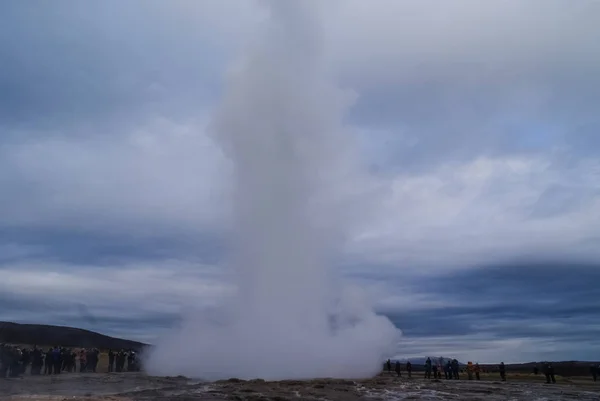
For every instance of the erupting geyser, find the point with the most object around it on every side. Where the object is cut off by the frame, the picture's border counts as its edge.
(281, 125)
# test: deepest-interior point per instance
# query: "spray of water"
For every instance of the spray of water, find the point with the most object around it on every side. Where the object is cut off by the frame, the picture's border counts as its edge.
(281, 125)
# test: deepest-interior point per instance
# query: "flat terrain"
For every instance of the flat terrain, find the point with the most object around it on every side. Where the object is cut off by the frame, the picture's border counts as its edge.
(137, 386)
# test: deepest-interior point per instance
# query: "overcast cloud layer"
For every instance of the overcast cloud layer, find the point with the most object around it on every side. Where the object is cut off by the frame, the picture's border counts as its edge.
(473, 220)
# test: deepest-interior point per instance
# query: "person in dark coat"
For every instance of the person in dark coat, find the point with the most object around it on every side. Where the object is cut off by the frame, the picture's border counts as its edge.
(502, 369)
(82, 360)
(455, 369)
(594, 372)
(57, 360)
(73, 361)
(121, 360)
(131, 361)
(96, 359)
(549, 372)
(15, 362)
(398, 372)
(409, 368)
(428, 368)
(4, 361)
(48, 363)
(25, 360)
(111, 360)
(37, 361)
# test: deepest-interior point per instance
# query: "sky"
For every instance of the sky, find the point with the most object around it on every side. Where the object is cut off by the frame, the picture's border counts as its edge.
(471, 215)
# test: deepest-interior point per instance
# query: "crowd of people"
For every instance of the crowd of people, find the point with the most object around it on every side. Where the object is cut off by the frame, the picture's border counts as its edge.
(432, 370)
(451, 370)
(15, 361)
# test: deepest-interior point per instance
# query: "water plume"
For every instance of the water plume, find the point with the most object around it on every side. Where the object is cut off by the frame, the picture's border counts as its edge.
(280, 123)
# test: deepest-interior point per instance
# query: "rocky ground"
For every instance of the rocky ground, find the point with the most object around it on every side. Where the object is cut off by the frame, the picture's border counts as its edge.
(131, 386)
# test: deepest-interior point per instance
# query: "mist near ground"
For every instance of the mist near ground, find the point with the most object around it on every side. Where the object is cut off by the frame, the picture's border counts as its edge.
(280, 124)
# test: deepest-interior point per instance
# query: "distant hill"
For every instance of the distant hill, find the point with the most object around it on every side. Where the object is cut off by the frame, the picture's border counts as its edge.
(563, 368)
(46, 335)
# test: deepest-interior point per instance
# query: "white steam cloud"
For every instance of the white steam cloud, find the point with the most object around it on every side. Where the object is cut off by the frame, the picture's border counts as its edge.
(281, 125)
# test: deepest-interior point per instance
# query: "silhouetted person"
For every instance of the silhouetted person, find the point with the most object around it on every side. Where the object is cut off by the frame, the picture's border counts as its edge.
(15, 366)
(48, 363)
(3, 361)
(25, 360)
(549, 372)
(95, 358)
(111, 360)
(57, 360)
(398, 372)
(428, 368)
(73, 361)
(477, 370)
(70, 355)
(388, 366)
(9, 361)
(536, 370)
(130, 361)
(38, 360)
(448, 370)
(455, 369)
(502, 369)
(434, 369)
(409, 368)
(120, 360)
(89, 357)
(66, 360)
(82, 361)
(594, 372)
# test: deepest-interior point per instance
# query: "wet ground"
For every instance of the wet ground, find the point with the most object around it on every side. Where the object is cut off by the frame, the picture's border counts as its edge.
(135, 386)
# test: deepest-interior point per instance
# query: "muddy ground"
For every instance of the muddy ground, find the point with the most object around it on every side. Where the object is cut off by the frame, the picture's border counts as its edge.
(136, 386)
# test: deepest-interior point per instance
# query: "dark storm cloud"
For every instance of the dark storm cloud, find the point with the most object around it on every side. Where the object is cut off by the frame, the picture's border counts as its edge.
(545, 301)
(99, 248)
(65, 63)
(17, 304)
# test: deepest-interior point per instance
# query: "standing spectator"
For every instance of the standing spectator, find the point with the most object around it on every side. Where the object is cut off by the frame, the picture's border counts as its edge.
(502, 369)
(111, 360)
(82, 360)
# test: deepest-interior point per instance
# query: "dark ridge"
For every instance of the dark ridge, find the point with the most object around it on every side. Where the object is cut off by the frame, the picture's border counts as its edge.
(47, 335)
(562, 368)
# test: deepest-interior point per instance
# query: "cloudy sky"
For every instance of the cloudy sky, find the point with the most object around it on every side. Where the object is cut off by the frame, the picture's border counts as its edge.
(475, 224)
